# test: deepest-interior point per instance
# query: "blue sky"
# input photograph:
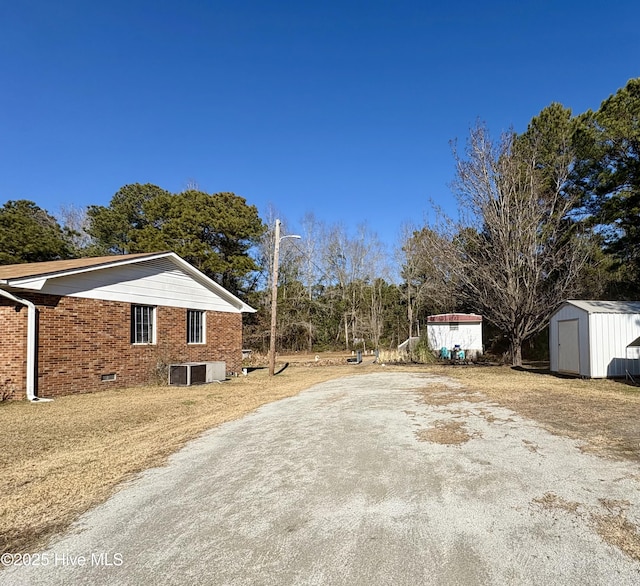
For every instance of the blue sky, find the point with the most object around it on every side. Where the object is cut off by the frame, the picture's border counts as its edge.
(340, 108)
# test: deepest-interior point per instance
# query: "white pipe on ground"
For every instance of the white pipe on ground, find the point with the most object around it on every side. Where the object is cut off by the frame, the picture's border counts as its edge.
(31, 345)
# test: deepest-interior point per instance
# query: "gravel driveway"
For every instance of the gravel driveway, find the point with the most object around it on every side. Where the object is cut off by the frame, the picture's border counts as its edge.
(360, 481)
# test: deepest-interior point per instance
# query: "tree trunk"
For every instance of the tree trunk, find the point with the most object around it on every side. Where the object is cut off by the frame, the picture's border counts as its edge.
(515, 350)
(346, 331)
(410, 319)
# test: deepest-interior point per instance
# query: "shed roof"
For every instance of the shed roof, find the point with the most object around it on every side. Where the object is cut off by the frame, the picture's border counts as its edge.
(454, 317)
(594, 306)
(634, 344)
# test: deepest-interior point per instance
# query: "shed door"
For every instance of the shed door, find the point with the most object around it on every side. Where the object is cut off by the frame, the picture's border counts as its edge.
(568, 346)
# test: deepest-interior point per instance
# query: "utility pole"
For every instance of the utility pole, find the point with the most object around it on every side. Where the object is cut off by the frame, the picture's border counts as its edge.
(274, 301)
(274, 296)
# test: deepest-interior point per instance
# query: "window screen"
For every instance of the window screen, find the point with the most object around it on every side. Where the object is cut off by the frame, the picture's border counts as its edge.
(142, 324)
(195, 327)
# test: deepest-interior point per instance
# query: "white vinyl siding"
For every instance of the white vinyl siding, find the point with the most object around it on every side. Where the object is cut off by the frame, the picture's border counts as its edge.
(467, 335)
(154, 282)
(143, 330)
(195, 326)
(610, 336)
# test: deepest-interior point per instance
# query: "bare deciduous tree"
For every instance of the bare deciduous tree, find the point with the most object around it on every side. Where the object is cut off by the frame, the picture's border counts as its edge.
(425, 257)
(352, 263)
(518, 254)
(313, 235)
(76, 221)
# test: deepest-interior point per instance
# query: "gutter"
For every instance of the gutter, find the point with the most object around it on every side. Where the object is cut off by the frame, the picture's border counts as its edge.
(31, 345)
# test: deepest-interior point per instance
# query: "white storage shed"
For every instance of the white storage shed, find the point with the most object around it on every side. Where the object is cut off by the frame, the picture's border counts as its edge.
(592, 338)
(450, 329)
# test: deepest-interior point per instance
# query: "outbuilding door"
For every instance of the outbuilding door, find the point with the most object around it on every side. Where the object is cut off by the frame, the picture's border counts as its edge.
(568, 347)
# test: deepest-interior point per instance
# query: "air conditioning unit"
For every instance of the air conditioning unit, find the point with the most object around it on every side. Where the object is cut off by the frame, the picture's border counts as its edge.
(193, 373)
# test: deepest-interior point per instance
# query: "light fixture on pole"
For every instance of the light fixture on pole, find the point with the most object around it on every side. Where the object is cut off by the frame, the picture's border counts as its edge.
(274, 296)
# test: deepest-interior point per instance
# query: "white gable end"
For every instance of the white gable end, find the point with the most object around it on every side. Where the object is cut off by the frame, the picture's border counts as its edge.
(153, 282)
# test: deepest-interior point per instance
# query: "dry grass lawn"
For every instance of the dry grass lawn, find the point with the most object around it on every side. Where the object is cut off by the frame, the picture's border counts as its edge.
(59, 459)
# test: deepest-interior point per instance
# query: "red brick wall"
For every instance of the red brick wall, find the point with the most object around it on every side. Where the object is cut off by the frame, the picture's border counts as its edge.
(79, 340)
(13, 347)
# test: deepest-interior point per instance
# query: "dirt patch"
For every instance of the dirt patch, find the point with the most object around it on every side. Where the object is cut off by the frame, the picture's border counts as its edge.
(551, 501)
(447, 433)
(531, 446)
(614, 527)
(488, 416)
(611, 524)
(439, 394)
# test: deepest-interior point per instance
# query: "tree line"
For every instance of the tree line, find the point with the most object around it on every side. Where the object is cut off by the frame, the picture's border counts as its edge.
(543, 215)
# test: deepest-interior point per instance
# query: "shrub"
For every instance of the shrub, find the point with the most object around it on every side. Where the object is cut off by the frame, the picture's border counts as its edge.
(7, 390)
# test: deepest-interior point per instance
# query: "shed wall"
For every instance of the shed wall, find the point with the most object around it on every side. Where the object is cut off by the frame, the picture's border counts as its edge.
(468, 336)
(611, 333)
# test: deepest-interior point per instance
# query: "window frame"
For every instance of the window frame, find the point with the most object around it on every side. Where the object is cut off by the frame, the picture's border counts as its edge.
(193, 316)
(150, 328)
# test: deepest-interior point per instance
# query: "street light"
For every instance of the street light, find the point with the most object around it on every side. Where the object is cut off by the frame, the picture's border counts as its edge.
(274, 297)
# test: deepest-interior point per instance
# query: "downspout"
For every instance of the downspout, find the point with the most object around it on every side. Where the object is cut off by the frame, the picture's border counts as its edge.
(31, 345)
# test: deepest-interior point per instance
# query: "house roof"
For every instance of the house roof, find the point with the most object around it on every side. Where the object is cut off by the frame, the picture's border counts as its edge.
(50, 268)
(595, 306)
(34, 275)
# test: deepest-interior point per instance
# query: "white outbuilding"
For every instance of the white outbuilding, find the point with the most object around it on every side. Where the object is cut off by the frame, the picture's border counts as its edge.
(448, 330)
(595, 339)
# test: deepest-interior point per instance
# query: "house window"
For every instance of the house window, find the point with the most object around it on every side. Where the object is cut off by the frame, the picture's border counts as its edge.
(143, 324)
(454, 326)
(195, 327)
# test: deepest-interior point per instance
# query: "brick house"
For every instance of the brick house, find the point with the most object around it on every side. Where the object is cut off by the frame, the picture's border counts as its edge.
(89, 324)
